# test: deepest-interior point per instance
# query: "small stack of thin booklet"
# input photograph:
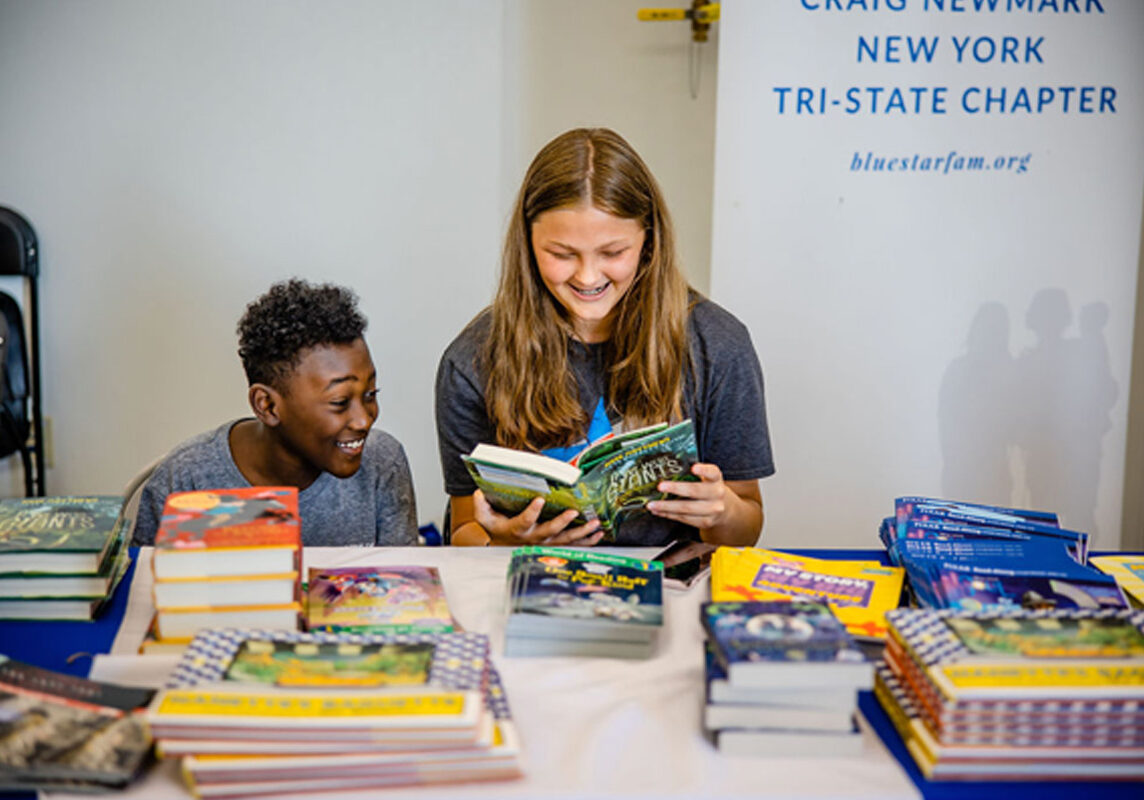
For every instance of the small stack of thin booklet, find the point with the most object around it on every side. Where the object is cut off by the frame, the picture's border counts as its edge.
(262, 713)
(60, 557)
(1018, 695)
(782, 679)
(576, 602)
(972, 557)
(226, 558)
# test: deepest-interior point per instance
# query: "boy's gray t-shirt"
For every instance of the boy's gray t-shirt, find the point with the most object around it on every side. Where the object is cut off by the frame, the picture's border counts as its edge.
(723, 395)
(374, 506)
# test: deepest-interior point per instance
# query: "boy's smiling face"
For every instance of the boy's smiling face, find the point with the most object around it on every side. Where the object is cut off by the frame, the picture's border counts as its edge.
(326, 406)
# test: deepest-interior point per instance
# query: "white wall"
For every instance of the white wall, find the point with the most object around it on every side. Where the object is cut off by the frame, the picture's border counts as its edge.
(965, 333)
(586, 63)
(178, 157)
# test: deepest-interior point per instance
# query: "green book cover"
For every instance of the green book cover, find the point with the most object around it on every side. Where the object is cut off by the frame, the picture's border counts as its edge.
(615, 479)
(74, 534)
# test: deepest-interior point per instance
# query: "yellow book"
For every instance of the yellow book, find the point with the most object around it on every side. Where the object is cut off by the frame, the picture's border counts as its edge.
(1129, 574)
(859, 592)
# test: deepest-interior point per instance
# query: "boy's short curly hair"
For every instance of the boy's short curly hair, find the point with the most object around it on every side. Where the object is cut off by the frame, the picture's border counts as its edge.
(290, 318)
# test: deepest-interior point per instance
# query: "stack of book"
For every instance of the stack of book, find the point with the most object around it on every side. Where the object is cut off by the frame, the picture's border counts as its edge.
(377, 600)
(565, 602)
(60, 557)
(1018, 695)
(65, 733)
(971, 557)
(858, 592)
(226, 558)
(262, 713)
(782, 679)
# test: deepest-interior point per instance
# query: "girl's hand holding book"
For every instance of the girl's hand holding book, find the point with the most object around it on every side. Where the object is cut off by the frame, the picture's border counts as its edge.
(524, 528)
(724, 512)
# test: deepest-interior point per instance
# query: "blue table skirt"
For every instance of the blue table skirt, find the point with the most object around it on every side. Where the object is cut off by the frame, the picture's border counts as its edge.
(68, 646)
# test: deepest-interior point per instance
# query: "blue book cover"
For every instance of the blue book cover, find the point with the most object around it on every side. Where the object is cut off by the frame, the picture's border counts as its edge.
(777, 631)
(907, 507)
(991, 575)
(1075, 542)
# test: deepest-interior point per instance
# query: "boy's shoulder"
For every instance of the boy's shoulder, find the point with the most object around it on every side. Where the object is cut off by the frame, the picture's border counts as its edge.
(208, 445)
(382, 446)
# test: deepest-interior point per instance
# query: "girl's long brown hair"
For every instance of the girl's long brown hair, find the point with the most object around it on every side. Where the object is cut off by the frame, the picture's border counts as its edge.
(532, 394)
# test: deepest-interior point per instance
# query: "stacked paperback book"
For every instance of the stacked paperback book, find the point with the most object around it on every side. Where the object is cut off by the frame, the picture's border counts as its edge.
(64, 733)
(226, 558)
(1019, 694)
(858, 592)
(782, 679)
(978, 558)
(60, 557)
(565, 602)
(264, 713)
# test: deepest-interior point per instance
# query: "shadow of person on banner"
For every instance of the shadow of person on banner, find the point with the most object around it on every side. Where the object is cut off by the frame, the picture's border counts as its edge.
(1067, 393)
(975, 413)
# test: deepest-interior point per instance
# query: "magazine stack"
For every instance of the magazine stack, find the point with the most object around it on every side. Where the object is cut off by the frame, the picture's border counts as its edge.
(226, 558)
(1018, 695)
(972, 557)
(565, 602)
(60, 557)
(782, 679)
(263, 713)
(858, 592)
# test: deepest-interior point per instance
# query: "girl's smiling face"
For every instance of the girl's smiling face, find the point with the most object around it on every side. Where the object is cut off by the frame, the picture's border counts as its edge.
(588, 259)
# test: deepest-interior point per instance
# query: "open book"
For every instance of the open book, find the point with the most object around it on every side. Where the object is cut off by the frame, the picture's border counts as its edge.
(611, 480)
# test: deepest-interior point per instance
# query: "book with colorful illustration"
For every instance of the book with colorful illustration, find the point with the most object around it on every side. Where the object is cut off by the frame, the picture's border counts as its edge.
(563, 594)
(244, 531)
(377, 600)
(1017, 695)
(996, 575)
(267, 712)
(784, 643)
(73, 535)
(612, 481)
(67, 733)
(858, 592)
(1128, 570)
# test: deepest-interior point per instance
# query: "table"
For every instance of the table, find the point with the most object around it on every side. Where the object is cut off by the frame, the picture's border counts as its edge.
(602, 728)
(590, 728)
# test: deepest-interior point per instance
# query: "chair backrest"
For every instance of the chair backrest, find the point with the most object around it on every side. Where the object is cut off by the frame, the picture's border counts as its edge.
(133, 491)
(14, 422)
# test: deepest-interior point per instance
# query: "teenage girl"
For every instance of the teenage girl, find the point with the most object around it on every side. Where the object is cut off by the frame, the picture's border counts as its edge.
(594, 329)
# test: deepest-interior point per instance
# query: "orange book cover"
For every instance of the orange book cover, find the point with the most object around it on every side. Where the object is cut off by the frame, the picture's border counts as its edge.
(252, 516)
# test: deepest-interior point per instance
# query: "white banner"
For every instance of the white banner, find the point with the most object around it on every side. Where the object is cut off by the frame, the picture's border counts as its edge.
(928, 214)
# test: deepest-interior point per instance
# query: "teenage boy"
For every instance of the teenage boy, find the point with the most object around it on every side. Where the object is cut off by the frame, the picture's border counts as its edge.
(314, 396)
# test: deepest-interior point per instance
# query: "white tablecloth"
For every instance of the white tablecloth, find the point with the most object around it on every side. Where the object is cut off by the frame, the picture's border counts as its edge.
(589, 728)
